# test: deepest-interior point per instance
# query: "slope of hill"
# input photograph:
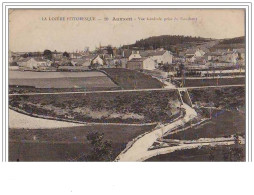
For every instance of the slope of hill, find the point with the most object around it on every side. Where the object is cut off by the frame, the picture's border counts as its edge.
(234, 43)
(166, 41)
(240, 40)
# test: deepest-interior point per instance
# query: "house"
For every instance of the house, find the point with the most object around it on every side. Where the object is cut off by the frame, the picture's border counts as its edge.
(141, 63)
(98, 60)
(33, 63)
(85, 61)
(160, 56)
(194, 52)
(134, 54)
(214, 56)
(231, 57)
(200, 60)
(57, 55)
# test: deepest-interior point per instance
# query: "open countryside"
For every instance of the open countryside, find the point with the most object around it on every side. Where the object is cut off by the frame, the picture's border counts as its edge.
(180, 99)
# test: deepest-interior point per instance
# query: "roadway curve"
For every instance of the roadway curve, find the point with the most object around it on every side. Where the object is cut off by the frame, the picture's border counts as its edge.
(139, 150)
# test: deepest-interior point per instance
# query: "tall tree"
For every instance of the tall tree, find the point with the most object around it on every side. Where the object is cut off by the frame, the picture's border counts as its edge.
(65, 54)
(109, 50)
(101, 150)
(47, 54)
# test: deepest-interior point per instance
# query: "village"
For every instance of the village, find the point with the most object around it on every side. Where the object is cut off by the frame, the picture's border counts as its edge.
(201, 60)
(140, 97)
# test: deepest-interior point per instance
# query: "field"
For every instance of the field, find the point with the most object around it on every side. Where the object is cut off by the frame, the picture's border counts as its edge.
(123, 107)
(213, 82)
(222, 124)
(67, 144)
(131, 79)
(224, 97)
(205, 153)
(21, 82)
(23, 89)
(47, 75)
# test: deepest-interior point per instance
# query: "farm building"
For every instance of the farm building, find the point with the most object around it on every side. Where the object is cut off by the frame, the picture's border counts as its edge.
(141, 63)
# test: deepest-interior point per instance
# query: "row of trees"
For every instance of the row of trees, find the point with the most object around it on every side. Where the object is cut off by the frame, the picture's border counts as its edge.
(47, 54)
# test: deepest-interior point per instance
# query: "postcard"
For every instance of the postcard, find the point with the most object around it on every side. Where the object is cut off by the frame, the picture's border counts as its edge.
(127, 85)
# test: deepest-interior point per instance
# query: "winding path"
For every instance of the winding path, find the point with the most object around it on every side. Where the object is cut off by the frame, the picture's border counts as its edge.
(139, 150)
(194, 144)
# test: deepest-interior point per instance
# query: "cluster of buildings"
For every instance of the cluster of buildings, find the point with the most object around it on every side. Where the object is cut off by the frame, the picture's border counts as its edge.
(213, 57)
(103, 57)
(135, 59)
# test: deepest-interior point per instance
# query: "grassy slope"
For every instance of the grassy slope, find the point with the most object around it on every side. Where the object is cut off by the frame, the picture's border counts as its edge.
(25, 82)
(227, 97)
(67, 82)
(213, 82)
(202, 154)
(222, 124)
(64, 144)
(131, 79)
(154, 106)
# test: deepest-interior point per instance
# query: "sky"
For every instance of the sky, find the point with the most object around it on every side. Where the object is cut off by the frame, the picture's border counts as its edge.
(71, 30)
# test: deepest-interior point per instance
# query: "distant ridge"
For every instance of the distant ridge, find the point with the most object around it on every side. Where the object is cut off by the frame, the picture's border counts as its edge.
(235, 40)
(166, 42)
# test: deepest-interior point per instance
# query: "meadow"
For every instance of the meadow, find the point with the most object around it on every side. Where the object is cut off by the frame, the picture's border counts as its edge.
(21, 82)
(212, 81)
(131, 79)
(222, 124)
(106, 107)
(67, 144)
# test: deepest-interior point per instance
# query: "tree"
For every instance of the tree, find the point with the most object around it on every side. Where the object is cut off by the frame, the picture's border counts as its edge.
(101, 150)
(47, 54)
(25, 55)
(65, 54)
(109, 50)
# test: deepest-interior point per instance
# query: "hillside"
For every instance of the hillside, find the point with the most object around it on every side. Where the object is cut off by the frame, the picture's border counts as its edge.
(240, 40)
(166, 41)
(234, 43)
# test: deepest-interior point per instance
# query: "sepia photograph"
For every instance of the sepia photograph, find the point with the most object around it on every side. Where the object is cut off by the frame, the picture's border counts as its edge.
(126, 85)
